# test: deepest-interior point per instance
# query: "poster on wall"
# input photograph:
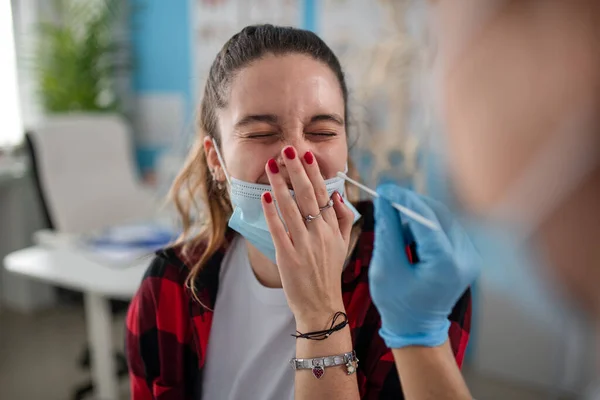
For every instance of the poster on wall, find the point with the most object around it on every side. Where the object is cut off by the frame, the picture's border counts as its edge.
(217, 20)
(374, 45)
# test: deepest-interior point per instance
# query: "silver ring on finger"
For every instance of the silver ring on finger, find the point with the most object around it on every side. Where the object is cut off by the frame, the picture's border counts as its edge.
(326, 206)
(310, 218)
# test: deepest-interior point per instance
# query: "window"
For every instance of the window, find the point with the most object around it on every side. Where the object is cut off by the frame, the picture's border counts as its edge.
(11, 127)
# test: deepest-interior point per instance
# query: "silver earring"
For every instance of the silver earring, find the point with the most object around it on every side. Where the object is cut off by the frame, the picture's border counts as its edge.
(219, 184)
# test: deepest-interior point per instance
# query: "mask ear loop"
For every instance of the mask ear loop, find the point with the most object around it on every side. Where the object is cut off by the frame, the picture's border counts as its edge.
(221, 161)
(344, 194)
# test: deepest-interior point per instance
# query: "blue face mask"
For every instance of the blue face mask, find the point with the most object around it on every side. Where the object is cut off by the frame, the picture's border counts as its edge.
(248, 218)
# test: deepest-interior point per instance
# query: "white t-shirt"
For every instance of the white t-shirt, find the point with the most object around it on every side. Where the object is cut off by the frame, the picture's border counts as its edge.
(250, 344)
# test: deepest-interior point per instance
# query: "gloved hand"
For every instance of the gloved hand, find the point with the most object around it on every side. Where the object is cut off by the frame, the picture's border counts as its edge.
(415, 300)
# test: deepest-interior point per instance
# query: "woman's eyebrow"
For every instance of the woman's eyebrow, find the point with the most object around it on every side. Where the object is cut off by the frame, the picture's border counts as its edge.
(250, 119)
(328, 117)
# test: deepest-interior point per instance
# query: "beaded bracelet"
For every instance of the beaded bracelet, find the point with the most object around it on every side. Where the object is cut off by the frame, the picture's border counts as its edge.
(324, 334)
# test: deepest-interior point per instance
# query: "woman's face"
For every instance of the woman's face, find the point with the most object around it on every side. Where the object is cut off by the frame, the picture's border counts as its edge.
(275, 102)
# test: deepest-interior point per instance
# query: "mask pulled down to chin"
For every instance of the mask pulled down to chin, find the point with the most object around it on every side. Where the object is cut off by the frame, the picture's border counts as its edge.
(249, 220)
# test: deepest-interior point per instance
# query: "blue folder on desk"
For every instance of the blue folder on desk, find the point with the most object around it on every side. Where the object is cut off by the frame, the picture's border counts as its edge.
(133, 236)
(124, 244)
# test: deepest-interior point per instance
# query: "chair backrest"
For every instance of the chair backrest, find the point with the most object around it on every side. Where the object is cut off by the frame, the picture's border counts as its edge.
(84, 167)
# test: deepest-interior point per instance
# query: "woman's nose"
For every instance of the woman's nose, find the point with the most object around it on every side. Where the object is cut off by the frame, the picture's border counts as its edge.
(298, 149)
(301, 146)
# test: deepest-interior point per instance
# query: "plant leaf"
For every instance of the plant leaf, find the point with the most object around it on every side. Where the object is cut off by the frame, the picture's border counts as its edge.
(78, 56)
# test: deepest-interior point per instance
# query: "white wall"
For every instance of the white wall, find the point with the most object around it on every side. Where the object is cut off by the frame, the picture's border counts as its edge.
(21, 216)
(25, 17)
(11, 129)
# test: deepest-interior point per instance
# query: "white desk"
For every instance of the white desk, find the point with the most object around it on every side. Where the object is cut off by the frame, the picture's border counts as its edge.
(71, 269)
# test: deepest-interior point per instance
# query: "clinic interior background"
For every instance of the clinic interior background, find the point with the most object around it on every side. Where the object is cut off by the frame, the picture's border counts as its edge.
(172, 44)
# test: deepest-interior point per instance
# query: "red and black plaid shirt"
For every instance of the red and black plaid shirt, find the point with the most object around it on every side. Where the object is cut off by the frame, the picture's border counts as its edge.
(168, 332)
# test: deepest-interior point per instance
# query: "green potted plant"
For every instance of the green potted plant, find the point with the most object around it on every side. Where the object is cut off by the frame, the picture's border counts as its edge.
(78, 57)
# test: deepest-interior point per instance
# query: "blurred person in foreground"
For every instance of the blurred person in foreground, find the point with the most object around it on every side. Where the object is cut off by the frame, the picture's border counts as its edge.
(518, 95)
(519, 91)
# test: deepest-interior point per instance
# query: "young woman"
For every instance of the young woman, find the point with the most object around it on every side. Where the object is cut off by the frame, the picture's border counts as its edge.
(214, 315)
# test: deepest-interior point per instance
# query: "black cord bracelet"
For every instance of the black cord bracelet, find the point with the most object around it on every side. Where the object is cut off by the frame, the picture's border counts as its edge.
(324, 334)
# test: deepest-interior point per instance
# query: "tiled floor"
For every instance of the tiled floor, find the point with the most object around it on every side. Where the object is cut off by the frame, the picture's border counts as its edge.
(39, 353)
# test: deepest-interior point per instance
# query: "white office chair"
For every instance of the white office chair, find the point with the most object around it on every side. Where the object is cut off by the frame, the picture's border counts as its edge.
(86, 173)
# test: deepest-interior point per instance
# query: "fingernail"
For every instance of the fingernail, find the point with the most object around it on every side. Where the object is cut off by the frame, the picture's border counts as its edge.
(340, 196)
(273, 166)
(308, 157)
(289, 153)
(268, 197)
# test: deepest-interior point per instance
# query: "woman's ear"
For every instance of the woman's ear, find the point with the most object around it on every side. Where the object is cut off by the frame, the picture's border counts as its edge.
(212, 160)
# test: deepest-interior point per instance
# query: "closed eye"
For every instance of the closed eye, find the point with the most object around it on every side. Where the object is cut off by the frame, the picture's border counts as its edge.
(261, 135)
(322, 134)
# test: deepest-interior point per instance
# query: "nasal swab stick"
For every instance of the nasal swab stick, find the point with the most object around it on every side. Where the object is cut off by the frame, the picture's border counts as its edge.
(409, 213)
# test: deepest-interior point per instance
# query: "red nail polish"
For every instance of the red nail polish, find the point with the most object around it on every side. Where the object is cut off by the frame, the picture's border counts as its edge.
(273, 166)
(289, 153)
(411, 253)
(308, 157)
(341, 198)
(268, 198)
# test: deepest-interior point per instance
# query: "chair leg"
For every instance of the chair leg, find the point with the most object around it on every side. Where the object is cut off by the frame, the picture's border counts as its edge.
(86, 389)
(121, 362)
(84, 358)
(83, 391)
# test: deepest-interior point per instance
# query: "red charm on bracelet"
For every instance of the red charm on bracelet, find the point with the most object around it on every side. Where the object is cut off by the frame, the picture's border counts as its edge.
(318, 371)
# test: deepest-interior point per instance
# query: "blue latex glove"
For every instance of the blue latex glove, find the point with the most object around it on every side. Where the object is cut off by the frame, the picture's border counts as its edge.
(415, 300)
